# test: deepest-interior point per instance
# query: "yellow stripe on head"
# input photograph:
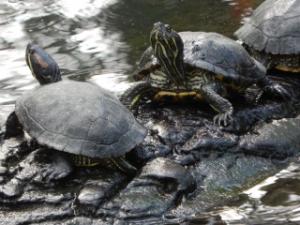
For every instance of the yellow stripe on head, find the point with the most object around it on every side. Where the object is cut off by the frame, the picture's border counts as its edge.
(30, 65)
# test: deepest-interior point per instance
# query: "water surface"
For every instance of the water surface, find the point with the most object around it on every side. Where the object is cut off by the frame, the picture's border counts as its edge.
(93, 37)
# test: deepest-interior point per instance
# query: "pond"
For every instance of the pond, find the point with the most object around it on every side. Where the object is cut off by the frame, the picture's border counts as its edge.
(102, 40)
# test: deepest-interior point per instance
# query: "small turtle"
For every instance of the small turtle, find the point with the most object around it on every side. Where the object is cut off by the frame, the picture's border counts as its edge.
(76, 117)
(272, 34)
(200, 64)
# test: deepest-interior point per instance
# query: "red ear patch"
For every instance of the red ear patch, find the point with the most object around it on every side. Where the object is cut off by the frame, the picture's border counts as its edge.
(40, 60)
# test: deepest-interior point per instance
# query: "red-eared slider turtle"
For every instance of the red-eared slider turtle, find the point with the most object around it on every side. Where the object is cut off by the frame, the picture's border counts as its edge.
(272, 34)
(77, 117)
(200, 64)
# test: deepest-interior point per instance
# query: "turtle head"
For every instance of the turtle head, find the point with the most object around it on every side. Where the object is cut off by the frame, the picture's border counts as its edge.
(42, 66)
(167, 46)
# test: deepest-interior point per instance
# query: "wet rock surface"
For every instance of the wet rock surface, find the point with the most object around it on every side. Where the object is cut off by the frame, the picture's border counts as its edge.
(186, 166)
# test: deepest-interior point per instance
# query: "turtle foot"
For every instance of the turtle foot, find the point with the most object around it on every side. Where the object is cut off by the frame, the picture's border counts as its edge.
(224, 119)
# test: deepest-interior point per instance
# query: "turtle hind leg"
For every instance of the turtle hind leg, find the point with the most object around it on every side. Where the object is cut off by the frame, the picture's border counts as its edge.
(273, 88)
(123, 165)
(120, 163)
(132, 96)
(13, 127)
(84, 161)
(211, 94)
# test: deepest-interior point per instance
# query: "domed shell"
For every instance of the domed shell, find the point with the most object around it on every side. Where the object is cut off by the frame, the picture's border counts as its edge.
(273, 27)
(215, 53)
(221, 55)
(79, 118)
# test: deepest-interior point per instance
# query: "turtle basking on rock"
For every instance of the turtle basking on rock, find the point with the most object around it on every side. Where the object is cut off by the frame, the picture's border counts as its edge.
(199, 64)
(272, 34)
(79, 118)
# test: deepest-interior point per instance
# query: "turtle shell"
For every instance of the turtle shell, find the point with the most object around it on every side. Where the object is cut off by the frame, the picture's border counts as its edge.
(215, 53)
(273, 28)
(222, 56)
(79, 118)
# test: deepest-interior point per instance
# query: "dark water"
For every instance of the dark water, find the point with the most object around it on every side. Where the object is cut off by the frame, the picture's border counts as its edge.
(101, 41)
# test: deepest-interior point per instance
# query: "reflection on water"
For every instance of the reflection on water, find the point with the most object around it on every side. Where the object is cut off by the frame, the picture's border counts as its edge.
(82, 8)
(274, 201)
(93, 37)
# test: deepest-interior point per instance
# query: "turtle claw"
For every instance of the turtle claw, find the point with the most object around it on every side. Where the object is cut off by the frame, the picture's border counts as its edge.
(223, 119)
(258, 97)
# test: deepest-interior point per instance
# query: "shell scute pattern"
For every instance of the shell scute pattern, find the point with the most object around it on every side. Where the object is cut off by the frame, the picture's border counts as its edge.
(79, 118)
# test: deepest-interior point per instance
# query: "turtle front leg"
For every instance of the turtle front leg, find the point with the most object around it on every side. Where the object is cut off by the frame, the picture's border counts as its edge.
(211, 94)
(131, 97)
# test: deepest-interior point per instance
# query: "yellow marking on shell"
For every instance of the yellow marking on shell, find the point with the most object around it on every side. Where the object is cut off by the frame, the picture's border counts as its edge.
(178, 96)
(288, 69)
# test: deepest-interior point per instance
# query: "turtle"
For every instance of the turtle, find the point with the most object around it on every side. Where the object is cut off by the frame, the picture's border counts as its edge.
(272, 35)
(205, 65)
(79, 118)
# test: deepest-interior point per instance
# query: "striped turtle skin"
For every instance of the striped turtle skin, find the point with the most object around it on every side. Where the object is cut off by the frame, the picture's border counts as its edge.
(198, 64)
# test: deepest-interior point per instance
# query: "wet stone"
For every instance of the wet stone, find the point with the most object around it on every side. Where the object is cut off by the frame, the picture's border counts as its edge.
(12, 150)
(95, 192)
(80, 220)
(186, 165)
(41, 167)
(38, 197)
(159, 187)
(165, 169)
(30, 214)
(220, 177)
(279, 139)
(12, 188)
(3, 170)
(32, 171)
